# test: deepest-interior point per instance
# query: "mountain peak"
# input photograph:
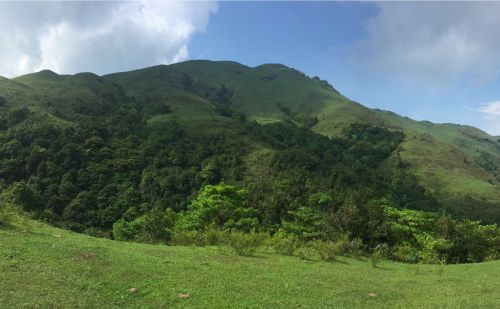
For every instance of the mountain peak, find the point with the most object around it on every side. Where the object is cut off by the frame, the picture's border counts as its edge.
(45, 75)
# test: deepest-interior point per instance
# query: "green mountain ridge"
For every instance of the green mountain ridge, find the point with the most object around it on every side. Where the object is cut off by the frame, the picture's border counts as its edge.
(458, 164)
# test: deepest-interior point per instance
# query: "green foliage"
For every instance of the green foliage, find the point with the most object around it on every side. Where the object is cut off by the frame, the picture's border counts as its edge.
(25, 196)
(188, 238)
(17, 115)
(216, 237)
(328, 251)
(377, 254)
(129, 231)
(307, 253)
(221, 205)
(421, 236)
(6, 213)
(147, 153)
(156, 226)
(246, 244)
(406, 253)
(354, 247)
(305, 223)
(285, 244)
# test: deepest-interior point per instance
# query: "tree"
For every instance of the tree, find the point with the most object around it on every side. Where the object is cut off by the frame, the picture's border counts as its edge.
(79, 208)
(17, 115)
(306, 223)
(26, 197)
(152, 227)
(221, 205)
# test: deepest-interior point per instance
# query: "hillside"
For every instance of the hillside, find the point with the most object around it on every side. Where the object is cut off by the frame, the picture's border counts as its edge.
(457, 165)
(41, 266)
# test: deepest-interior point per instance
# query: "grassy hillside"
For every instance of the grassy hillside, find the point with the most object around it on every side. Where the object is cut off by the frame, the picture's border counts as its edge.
(45, 267)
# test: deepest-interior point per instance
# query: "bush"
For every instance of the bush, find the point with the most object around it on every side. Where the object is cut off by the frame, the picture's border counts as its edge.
(6, 214)
(152, 227)
(406, 253)
(216, 237)
(221, 205)
(246, 244)
(327, 251)
(307, 223)
(94, 232)
(284, 244)
(354, 247)
(129, 230)
(188, 238)
(378, 253)
(307, 253)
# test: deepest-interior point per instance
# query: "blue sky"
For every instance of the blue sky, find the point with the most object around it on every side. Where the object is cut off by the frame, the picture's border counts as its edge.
(432, 61)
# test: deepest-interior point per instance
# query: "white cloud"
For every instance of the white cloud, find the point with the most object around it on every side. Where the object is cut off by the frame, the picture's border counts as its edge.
(432, 41)
(492, 108)
(100, 37)
(491, 116)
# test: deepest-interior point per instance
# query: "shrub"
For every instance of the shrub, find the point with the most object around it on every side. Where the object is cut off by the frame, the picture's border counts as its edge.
(94, 232)
(307, 253)
(433, 247)
(354, 247)
(216, 237)
(129, 230)
(378, 253)
(220, 205)
(246, 243)
(6, 214)
(327, 251)
(307, 223)
(406, 253)
(284, 244)
(188, 238)
(152, 227)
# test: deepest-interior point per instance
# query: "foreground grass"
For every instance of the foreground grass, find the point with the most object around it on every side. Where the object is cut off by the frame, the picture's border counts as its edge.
(44, 267)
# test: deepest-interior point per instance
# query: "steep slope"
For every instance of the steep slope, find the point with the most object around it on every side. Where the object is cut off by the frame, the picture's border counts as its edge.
(16, 93)
(459, 164)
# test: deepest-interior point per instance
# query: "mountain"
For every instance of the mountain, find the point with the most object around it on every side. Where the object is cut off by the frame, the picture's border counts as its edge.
(458, 165)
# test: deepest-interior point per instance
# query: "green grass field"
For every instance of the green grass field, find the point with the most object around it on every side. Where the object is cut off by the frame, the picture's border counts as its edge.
(45, 267)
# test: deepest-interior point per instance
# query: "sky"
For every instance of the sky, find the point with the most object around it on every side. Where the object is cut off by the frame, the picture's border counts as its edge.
(434, 61)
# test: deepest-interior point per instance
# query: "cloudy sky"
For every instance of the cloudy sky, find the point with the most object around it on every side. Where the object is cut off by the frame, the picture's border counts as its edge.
(425, 60)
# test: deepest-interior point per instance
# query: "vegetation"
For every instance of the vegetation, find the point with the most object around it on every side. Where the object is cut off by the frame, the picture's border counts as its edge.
(47, 267)
(176, 161)
(271, 174)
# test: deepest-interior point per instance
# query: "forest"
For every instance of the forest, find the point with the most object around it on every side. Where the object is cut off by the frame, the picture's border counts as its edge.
(122, 177)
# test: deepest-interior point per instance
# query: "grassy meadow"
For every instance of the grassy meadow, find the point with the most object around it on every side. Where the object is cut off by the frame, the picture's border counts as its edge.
(46, 267)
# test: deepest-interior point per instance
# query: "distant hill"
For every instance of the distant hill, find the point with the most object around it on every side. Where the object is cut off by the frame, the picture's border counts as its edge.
(459, 165)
